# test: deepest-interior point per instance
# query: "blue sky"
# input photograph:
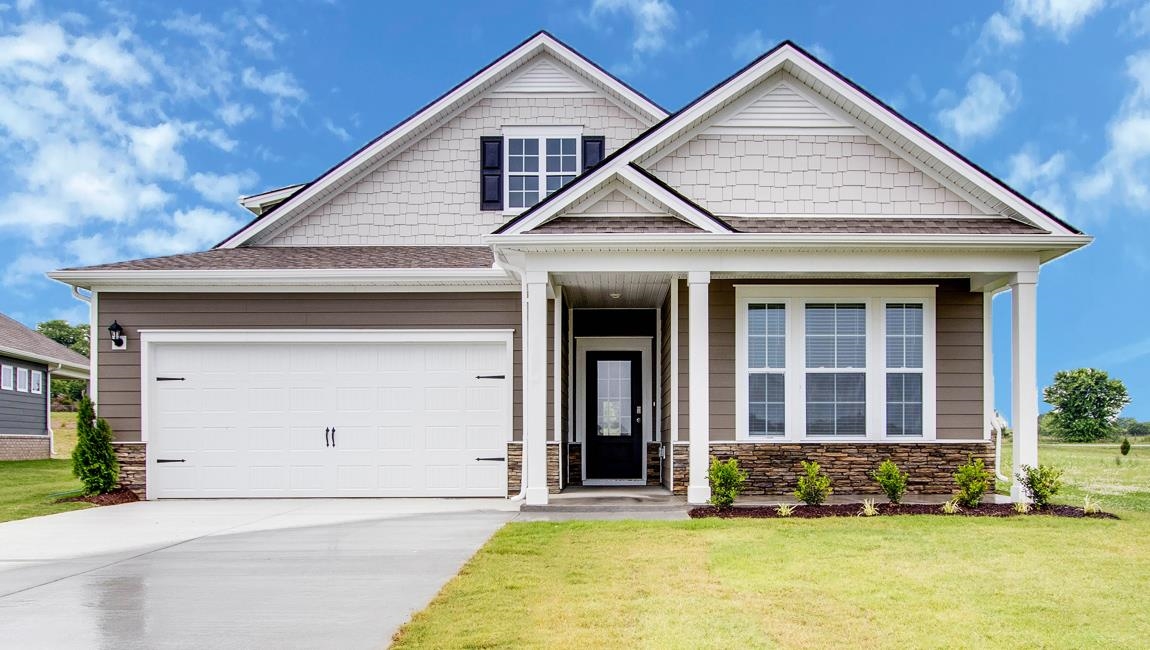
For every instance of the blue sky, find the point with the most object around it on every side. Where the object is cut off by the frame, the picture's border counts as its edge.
(128, 129)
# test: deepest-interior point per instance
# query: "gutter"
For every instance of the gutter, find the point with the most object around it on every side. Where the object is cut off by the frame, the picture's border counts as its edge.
(728, 241)
(87, 279)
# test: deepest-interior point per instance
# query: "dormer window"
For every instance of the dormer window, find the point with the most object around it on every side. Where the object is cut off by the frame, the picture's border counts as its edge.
(526, 164)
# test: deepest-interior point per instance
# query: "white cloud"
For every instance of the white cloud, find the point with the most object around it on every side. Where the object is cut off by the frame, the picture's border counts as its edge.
(223, 188)
(1059, 17)
(280, 85)
(27, 268)
(1139, 20)
(653, 20)
(822, 53)
(233, 114)
(336, 130)
(748, 46)
(96, 248)
(1041, 180)
(156, 150)
(980, 111)
(186, 230)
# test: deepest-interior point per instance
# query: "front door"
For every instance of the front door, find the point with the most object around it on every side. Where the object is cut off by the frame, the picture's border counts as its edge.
(615, 414)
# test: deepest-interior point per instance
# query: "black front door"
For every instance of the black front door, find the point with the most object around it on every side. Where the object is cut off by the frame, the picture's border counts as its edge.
(614, 419)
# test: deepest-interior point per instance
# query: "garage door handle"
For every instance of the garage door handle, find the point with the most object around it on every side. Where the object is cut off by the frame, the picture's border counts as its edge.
(333, 436)
(326, 432)
(169, 379)
(169, 460)
(499, 459)
(491, 376)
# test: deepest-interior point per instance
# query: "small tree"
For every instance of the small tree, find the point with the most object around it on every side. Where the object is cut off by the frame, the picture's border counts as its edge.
(814, 486)
(1086, 403)
(727, 481)
(973, 481)
(891, 479)
(93, 459)
(1125, 446)
(1039, 483)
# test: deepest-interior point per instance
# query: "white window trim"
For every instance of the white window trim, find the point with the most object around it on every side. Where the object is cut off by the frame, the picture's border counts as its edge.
(7, 377)
(36, 384)
(540, 133)
(21, 380)
(795, 297)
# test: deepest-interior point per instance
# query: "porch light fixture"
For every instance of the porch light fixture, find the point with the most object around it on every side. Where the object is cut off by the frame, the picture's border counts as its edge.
(616, 296)
(116, 333)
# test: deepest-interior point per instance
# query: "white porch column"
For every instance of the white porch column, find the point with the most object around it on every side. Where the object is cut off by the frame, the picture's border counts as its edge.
(698, 367)
(1024, 376)
(535, 388)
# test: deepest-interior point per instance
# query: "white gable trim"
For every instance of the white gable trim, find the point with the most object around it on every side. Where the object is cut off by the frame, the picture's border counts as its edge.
(580, 208)
(364, 159)
(542, 77)
(623, 176)
(890, 130)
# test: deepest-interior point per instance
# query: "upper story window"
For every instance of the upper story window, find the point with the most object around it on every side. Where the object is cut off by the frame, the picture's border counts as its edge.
(526, 164)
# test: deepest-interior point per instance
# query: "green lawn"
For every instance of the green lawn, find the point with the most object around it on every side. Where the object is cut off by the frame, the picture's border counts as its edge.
(920, 581)
(29, 488)
(64, 430)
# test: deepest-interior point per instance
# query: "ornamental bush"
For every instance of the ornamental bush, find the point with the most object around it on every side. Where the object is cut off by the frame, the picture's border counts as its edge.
(973, 481)
(891, 480)
(727, 481)
(814, 486)
(93, 459)
(1125, 446)
(1040, 483)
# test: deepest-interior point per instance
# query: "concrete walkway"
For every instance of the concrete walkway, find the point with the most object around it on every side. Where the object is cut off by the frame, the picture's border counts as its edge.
(234, 574)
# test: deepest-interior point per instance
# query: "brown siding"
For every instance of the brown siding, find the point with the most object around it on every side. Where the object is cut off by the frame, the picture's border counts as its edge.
(959, 359)
(119, 372)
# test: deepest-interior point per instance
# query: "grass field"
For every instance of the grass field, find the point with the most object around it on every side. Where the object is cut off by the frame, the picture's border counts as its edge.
(884, 582)
(64, 430)
(29, 488)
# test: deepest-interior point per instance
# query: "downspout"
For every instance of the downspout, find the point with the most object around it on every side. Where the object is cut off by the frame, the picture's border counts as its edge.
(48, 405)
(999, 427)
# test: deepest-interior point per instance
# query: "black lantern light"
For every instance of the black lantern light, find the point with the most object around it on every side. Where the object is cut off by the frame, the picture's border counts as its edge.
(116, 332)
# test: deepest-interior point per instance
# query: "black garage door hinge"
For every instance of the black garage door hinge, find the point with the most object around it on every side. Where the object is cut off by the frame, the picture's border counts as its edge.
(491, 376)
(169, 379)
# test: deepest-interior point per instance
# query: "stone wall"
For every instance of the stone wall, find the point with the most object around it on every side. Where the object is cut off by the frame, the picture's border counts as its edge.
(574, 463)
(133, 466)
(25, 447)
(515, 467)
(653, 464)
(774, 467)
(679, 475)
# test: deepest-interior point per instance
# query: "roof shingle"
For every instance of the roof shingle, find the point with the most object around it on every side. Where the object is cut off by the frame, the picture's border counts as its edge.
(892, 226)
(652, 224)
(312, 257)
(20, 339)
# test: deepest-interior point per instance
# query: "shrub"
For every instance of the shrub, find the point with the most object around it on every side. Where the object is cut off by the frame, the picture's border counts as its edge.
(951, 507)
(785, 510)
(93, 459)
(869, 509)
(727, 481)
(814, 486)
(1040, 483)
(1090, 505)
(1021, 507)
(973, 481)
(891, 480)
(1125, 447)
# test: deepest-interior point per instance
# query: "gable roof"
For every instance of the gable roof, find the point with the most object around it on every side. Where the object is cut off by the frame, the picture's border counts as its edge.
(410, 129)
(875, 118)
(21, 342)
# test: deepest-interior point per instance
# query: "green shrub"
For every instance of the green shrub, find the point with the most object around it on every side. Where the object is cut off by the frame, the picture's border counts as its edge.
(785, 510)
(1090, 505)
(1040, 483)
(727, 481)
(1021, 507)
(973, 481)
(891, 480)
(93, 459)
(869, 509)
(814, 486)
(1125, 447)
(951, 507)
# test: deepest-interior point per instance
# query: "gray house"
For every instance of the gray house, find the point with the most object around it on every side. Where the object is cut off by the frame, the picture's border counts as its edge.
(543, 279)
(28, 361)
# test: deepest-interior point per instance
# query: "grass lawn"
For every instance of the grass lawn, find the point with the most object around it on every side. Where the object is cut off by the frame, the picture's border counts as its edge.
(64, 428)
(27, 488)
(891, 582)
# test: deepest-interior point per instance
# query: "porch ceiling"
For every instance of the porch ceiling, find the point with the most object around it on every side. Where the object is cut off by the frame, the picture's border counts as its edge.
(596, 289)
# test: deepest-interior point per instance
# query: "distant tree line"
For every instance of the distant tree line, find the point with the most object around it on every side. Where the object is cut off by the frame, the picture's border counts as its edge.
(67, 393)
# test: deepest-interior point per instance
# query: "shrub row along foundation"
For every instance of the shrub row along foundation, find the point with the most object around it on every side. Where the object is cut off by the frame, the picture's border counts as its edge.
(774, 468)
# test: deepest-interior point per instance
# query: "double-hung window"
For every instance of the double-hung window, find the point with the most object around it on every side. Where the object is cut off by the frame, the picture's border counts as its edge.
(37, 382)
(22, 380)
(539, 162)
(7, 377)
(826, 362)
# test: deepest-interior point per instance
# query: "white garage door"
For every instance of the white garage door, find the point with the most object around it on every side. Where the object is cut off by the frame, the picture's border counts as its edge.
(298, 419)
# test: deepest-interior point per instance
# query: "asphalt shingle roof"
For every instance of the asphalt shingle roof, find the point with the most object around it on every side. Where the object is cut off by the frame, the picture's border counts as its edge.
(15, 336)
(312, 257)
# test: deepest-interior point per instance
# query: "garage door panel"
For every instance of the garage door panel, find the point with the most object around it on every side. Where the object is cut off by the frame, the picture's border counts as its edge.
(250, 420)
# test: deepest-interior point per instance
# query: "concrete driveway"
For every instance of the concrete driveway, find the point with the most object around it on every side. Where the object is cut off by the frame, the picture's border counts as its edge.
(234, 574)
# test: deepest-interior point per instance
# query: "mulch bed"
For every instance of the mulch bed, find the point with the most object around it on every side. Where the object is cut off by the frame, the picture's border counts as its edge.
(887, 509)
(113, 498)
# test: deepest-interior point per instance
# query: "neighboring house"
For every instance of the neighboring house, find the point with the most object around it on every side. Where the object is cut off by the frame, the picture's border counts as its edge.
(28, 361)
(543, 279)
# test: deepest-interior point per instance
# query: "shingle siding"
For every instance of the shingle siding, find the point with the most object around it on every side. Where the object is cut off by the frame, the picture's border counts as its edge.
(429, 193)
(803, 174)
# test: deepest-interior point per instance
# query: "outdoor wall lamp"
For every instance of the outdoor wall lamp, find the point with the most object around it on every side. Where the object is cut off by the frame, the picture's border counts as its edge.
(119, 339)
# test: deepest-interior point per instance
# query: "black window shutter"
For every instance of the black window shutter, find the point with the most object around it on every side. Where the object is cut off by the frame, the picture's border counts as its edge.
(594, 150)
(491, 173)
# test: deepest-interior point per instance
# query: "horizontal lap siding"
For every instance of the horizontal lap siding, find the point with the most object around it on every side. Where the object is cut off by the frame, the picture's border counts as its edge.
(24, 413)
(119, 372)
(958, 359)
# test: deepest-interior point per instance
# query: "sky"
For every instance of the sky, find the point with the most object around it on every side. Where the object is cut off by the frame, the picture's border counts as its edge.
(129, 129)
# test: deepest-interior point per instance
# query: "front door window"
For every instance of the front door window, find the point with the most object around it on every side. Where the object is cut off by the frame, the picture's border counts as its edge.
(613, 397)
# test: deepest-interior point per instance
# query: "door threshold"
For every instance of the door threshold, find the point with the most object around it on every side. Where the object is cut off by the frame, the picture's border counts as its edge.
(608, 482)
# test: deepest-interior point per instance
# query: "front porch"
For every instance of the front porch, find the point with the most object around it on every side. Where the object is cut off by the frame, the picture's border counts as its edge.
(684, 408)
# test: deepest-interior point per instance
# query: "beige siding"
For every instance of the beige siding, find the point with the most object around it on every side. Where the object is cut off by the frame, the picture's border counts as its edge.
(803, 174)
(958, 353)
(429, 193)
(119, 372)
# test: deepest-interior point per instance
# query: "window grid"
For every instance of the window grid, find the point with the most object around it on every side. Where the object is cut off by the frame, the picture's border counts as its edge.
(614, 397)
(528, 181)
(835, 339)
(904, 368)
(7, 377)
(37, 382)
(766, 371)
(22, 380)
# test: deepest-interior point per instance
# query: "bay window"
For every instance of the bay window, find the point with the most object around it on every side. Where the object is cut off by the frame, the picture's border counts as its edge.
(834, 362)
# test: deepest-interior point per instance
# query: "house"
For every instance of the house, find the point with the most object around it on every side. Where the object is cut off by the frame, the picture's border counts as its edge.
(28, 361)
(543, 279)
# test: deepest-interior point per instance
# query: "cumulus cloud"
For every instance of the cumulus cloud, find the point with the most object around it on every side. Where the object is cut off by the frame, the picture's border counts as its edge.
(1040, 179)
(1059, 17)
(186, 230)
(978, 113)
(336, 130)
(748, 46)
(652, 23)
(223, 188)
